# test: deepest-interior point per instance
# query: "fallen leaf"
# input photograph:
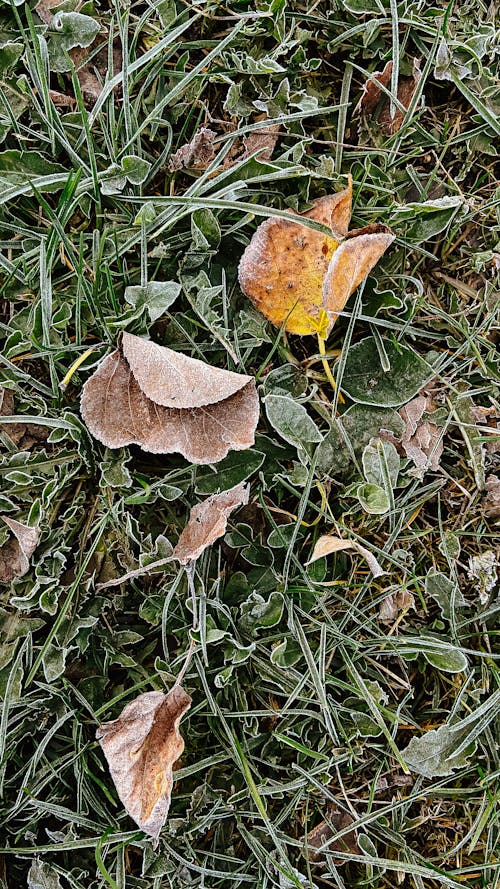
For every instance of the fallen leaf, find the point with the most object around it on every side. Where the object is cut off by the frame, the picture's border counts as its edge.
(208, 521)
(23, 435)
(295, 275)
(141, 747)
(393, 604)
(166, 402)
(197, 154)
(373, 96)
(262, 140)
(87, 62)
(488, 418)
(324, 835)
(422, 442)
(491, 499)
(327, 544)
(44, 9)
(16, 552)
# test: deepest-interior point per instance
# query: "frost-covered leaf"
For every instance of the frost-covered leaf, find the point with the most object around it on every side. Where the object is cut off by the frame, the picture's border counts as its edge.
(156, 296)
(374, 499)
(328, 544)
(433, 754)
(167, 402)
(15, 554)
(302, 278)
(68, 30)
(141, 747)
(441, 589)
(291, 420)
(41, 876)
(207, 522)
(365, 380)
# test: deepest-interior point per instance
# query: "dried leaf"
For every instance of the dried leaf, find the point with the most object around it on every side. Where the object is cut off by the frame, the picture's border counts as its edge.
(197, 154)
(491, 499)
(141, 747)
(44, 9)
(262, 140)
(422, 442)
(16, 553)
(488, 418)
(294, 274)
(208, 521)
(23, 435)
(373, 95)
(393, 604)
(166, 402)
(87, 62)
(324, 835)
(327, 544)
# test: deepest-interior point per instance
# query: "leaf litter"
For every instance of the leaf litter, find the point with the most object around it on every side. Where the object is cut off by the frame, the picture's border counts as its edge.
(167, 402)
(141, 747)
(301, 278)
(208, 521)
(374, 97)
(328, 544)
(16, 553)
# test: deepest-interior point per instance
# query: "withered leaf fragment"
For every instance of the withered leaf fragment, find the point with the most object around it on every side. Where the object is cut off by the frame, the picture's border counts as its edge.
(22, 434)
(262, 140)
(491, 499)
(208, 521)
(16, 552)
(422, 440)
(197, 154)
(324, 834)
(295, 275)
(373, 96)
(167, 402)
(327, 544)
(141, 747)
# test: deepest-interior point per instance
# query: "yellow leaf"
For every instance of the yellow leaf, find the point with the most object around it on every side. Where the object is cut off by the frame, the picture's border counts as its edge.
(300, 278)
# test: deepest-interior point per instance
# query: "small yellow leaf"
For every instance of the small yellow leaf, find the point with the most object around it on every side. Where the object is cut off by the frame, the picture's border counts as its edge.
(283, 267)
(296, 276)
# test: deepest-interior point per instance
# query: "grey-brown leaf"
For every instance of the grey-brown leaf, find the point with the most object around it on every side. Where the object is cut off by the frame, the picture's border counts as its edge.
(197, 154)
(208, 521)
(118, 411)
(16, 552)
(141, 747)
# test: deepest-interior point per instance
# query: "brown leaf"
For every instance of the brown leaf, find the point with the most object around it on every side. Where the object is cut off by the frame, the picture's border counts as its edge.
(44, 9)
(328, 544)
(166, 402)
(22, 434)
(197, 154)
(488, 418)
(87, 62)
(325, 832)
(16, 553)
(262, 140)
(373, 95)
(207, 522)
(141, 747)
(422, 442)
(351, 263)
(491, 499)
(393, 604)
(294, 274)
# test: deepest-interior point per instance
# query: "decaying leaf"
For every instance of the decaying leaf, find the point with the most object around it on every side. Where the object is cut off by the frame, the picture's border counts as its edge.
(141, 747)
(23, 435)
(92, 69)
(296, 276)
(422, 441)
(393, 605)
(262, 140)
(491, 499)
(324, 834)
(45, 10)
(373, 96)
(327, 544)
(16, 553)
(208, 521)
(489, 419)
(166, 402)
(197, 154)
